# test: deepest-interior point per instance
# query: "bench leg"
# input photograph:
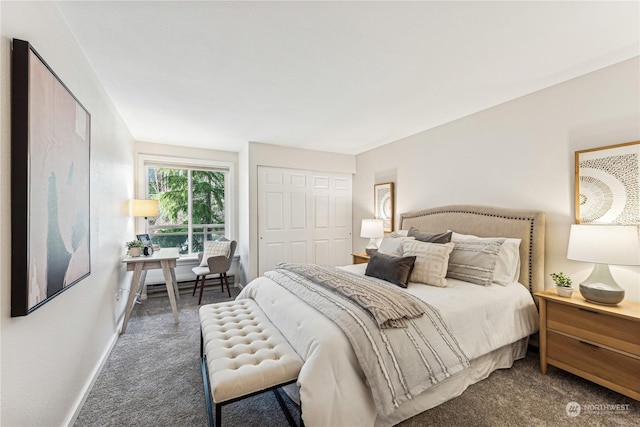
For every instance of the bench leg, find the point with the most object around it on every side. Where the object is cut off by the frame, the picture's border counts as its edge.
(207, 394)
(218, 414)
(284, 407)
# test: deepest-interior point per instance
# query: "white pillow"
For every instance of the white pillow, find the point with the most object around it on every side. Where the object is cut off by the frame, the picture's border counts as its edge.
(432, 260)
(392, 245)
(215, 249)
(507, 268)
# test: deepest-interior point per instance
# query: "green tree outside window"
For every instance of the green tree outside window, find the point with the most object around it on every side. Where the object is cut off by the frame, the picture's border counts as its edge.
(192, 203)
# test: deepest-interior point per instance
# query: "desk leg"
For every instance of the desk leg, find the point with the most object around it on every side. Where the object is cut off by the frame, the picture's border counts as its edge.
(168, 274)
(175, 282)
(135, 283)
(141, 289)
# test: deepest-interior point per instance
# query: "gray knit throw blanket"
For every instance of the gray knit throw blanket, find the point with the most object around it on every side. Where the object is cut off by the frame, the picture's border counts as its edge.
(387, 303)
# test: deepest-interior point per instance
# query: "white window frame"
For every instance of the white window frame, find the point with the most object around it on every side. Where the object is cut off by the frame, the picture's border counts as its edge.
(186, 162)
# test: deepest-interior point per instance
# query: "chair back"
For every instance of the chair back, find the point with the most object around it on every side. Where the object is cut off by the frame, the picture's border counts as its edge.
(232, 250)
(221, 264)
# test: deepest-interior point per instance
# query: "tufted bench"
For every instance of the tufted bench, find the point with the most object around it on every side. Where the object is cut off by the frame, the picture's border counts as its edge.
(243, 354)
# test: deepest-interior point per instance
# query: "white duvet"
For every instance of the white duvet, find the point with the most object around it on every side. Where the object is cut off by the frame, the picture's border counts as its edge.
(332, 386)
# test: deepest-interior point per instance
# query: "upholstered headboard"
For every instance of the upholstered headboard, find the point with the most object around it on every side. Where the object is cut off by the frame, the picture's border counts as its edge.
(486, 221)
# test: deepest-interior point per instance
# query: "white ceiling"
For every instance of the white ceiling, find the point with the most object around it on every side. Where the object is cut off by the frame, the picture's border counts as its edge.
(335, 76)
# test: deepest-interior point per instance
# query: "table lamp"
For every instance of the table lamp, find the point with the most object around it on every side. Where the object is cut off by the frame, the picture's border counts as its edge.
(604, 245)
(372, 229)
(144, 208)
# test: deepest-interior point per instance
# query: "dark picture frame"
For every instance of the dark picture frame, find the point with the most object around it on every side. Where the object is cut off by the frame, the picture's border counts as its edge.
(383, 204)
(607, 184)
(50, 183)
(144, 238)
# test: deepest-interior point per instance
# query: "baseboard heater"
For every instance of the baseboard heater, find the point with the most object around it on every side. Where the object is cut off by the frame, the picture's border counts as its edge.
(160, 289)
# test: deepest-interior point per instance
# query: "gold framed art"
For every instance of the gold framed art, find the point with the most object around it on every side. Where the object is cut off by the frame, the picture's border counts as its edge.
(383, 202)
(607, 184)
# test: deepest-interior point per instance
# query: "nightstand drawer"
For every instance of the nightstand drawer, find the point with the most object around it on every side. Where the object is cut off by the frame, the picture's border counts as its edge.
(611, 331)
(571, 354)
(360, 258)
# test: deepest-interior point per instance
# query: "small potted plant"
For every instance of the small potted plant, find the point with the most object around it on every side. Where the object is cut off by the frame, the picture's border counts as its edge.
(563, 284)
(135, 246)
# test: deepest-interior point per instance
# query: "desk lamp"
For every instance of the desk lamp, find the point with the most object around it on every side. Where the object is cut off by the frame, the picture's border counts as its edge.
(144, 208)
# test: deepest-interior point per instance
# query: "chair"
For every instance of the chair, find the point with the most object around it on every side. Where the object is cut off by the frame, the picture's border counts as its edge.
(219, 264)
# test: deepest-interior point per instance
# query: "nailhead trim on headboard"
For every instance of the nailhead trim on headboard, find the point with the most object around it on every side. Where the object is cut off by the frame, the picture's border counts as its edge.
(510, 214)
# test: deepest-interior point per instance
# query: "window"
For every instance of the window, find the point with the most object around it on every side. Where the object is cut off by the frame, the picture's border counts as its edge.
(193, 198)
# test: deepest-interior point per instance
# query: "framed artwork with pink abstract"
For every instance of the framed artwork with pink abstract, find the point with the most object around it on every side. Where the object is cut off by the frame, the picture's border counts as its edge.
(50, 160)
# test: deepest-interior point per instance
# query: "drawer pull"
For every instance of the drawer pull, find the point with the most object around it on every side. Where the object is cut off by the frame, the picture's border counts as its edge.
(588, 343)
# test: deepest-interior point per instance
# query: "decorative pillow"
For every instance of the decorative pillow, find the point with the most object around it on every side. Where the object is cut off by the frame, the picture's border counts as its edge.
(507, 268)
(431, 262)
(392, 245)
(430, 237)
(474, 261)
(399, 233)
(394, 269)
(215, 249)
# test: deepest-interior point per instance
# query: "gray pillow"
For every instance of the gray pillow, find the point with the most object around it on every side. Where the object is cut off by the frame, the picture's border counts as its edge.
(392, 245)
(394, 269)
(429, 237)
(474, 261)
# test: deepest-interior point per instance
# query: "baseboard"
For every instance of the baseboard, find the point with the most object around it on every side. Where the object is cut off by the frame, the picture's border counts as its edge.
(73, 415)
(184, 287)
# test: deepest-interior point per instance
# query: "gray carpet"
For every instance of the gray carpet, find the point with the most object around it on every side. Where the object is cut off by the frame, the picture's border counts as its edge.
(152, 378)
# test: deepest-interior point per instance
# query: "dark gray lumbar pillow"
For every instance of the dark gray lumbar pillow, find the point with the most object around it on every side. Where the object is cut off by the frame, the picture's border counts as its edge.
(394, 269)
(429, 237)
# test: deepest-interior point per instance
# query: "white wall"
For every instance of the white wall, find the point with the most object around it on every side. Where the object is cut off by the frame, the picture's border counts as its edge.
(258, 154)
(49, 357)
(519, 154)
(244, 216)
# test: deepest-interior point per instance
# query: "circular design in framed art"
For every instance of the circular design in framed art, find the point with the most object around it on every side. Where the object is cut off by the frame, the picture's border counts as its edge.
(602, 196)
(608, 184)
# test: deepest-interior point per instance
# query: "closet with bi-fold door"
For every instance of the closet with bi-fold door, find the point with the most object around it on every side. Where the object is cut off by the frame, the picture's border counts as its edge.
(303, 216)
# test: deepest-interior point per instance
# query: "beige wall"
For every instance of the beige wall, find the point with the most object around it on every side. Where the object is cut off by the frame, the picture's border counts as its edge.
(49, 357)
(519, 154)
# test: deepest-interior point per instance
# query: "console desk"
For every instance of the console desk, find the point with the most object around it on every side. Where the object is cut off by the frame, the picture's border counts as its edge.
(164, 259)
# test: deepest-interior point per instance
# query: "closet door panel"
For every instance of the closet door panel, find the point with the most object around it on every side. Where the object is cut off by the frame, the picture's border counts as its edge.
(303, 217)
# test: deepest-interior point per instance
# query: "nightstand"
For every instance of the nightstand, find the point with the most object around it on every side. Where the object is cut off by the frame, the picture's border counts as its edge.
(360, 258)
(596, 342)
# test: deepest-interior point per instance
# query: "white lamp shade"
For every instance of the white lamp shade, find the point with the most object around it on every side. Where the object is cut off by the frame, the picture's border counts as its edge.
(372, 228)
(143, 207)
(605, 244)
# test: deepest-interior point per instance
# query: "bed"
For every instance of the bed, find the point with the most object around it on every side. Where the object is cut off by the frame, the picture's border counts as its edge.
(490, 325)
